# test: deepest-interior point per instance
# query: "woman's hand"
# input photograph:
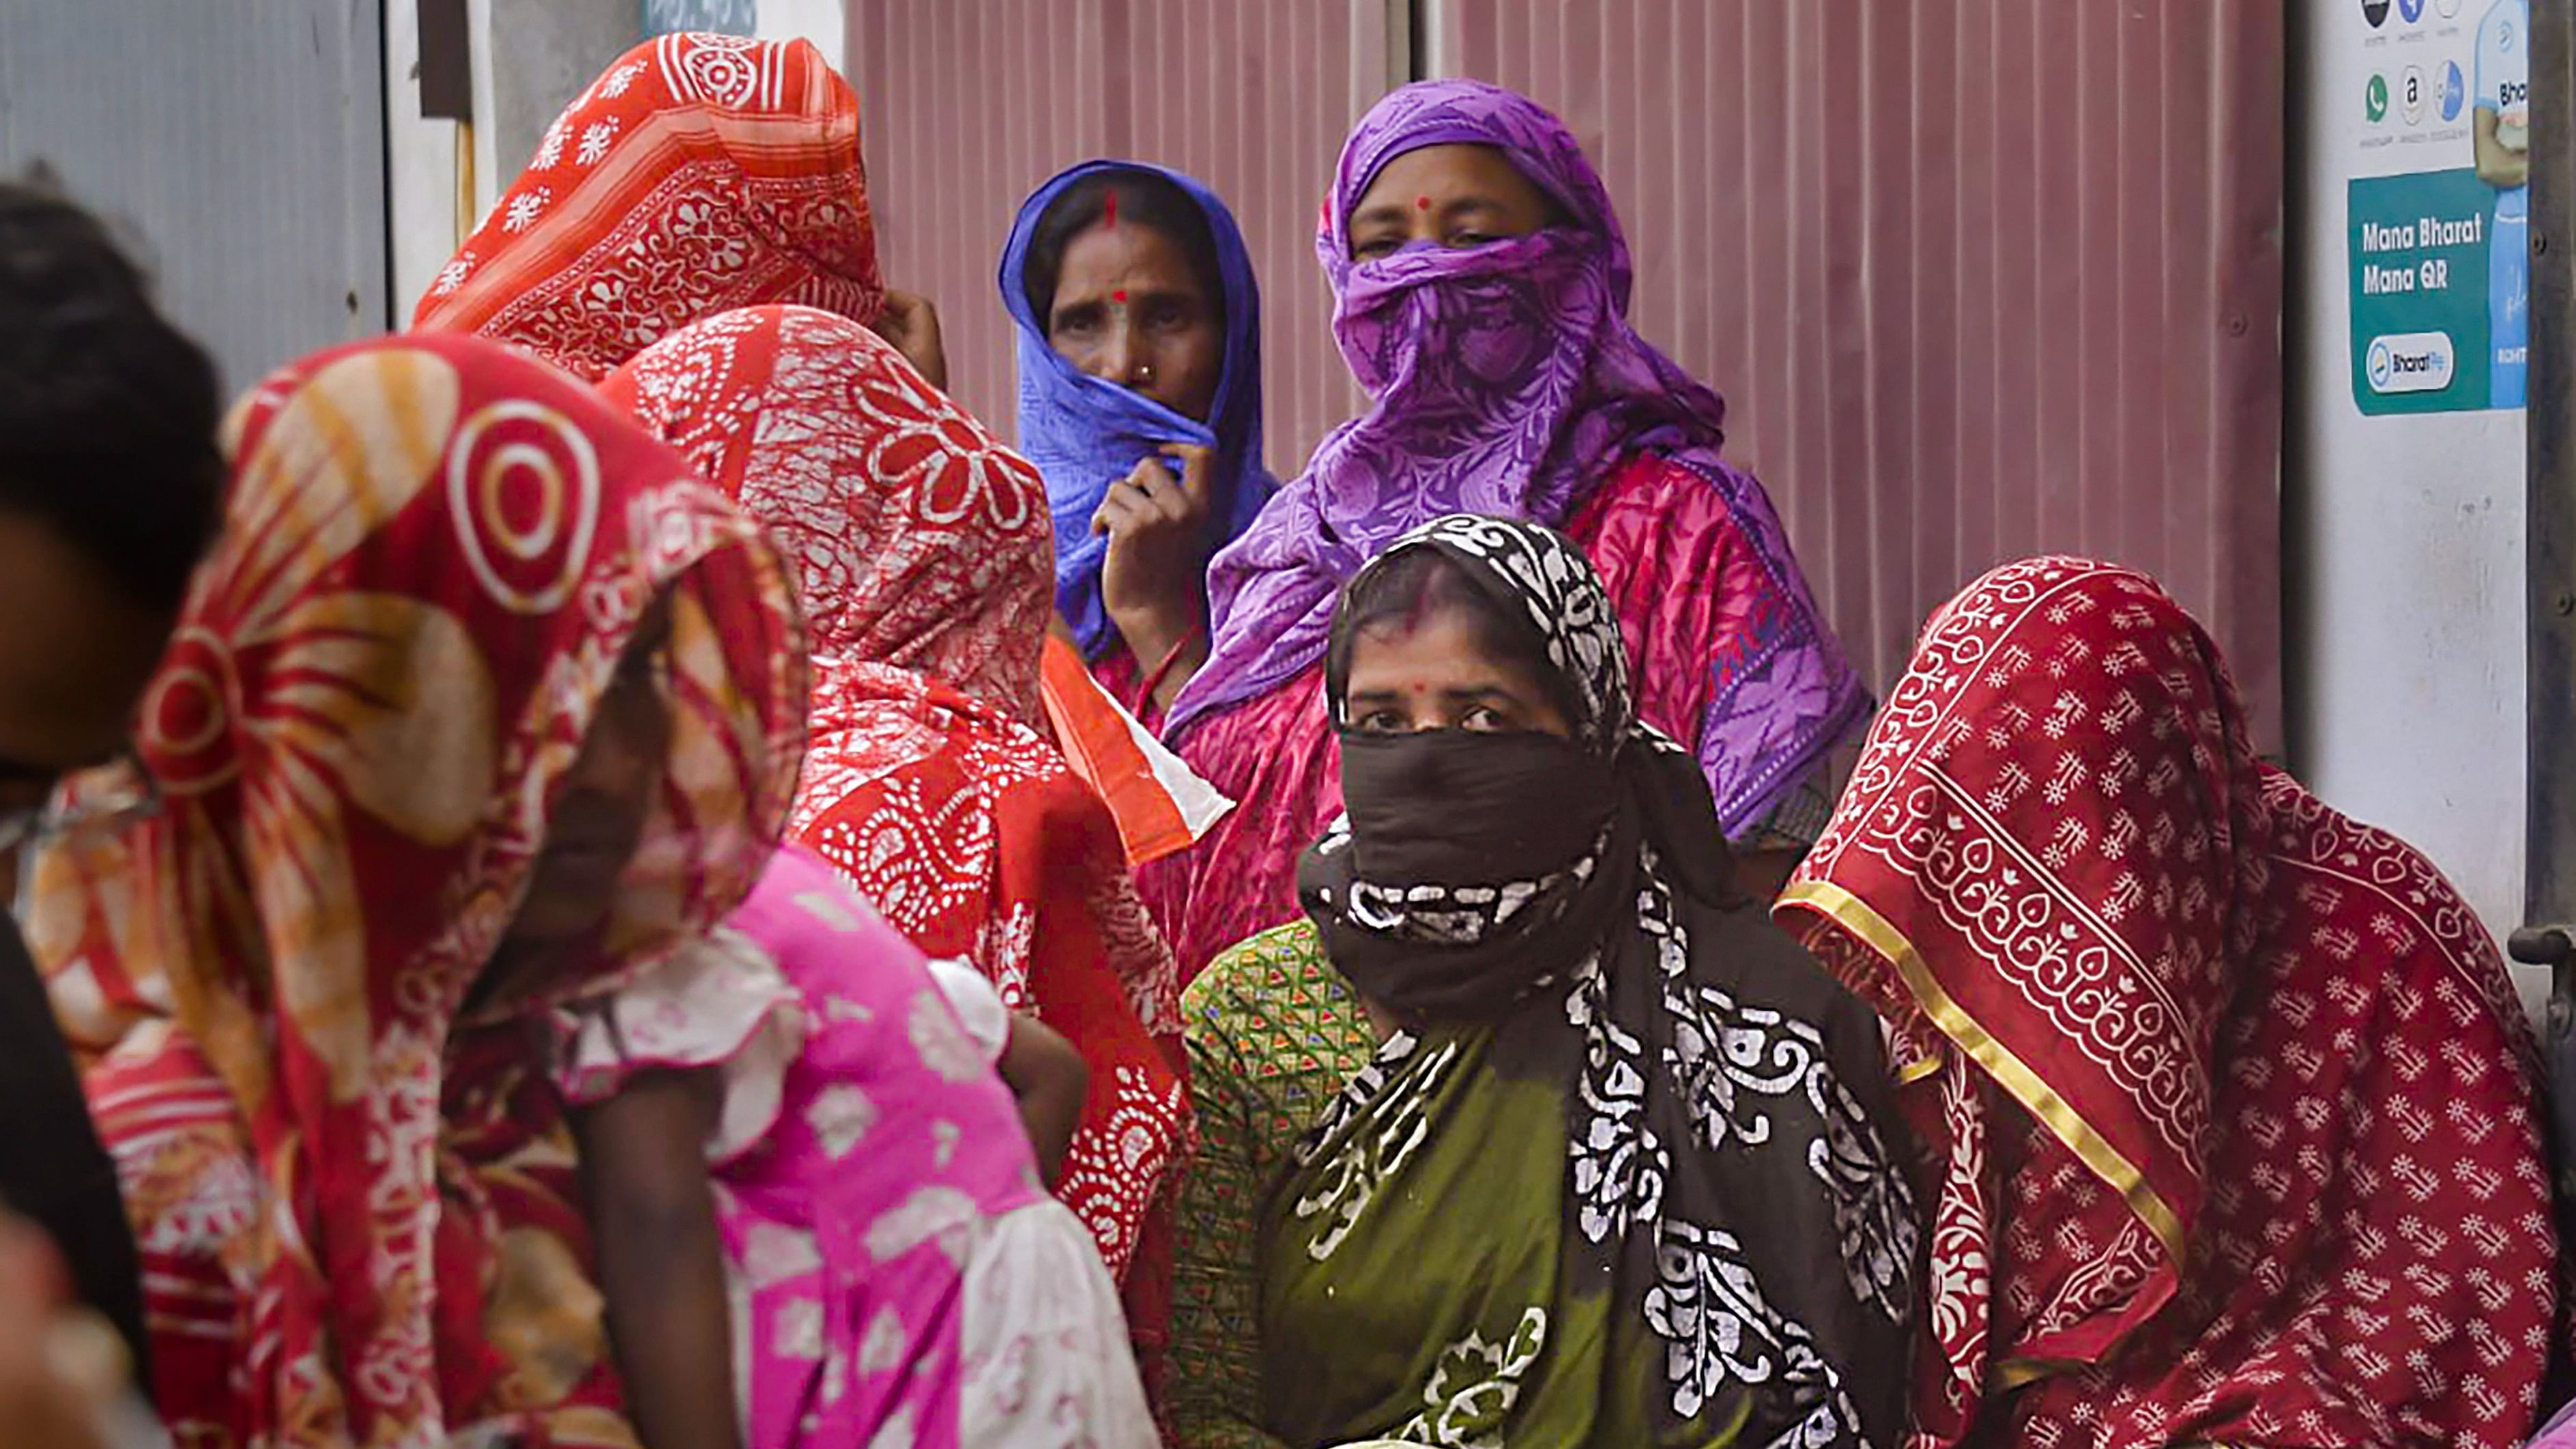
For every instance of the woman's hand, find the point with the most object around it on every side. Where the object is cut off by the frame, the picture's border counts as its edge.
(1046, 1076)
(661, 1254)
(58, 1371)
(911, 323)
(1154, 582)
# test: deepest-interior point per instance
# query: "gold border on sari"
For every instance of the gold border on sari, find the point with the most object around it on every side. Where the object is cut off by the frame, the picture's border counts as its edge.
(2018, 1373)
(2042, 1101)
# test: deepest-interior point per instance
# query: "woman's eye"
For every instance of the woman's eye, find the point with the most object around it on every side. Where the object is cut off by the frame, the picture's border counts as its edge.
(1381, 722)
(1169, 318)
(1470, 239)
(1374, 248)
(1484, 719)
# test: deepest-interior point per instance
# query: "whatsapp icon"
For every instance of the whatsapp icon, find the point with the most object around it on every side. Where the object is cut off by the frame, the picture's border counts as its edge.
(2374, 98)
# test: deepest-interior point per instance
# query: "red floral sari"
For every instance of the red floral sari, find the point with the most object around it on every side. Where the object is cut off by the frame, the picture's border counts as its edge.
(355, 1206)
(698, 173)
(2230, 1099)
(924, 550)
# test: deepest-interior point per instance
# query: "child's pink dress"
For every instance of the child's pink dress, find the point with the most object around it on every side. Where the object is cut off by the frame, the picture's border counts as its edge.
(899, 1275)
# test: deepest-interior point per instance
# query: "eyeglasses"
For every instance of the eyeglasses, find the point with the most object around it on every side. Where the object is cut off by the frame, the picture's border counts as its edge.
(103, 799)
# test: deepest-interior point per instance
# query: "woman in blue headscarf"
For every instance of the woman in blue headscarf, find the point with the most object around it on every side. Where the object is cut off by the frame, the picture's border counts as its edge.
(1140, 401)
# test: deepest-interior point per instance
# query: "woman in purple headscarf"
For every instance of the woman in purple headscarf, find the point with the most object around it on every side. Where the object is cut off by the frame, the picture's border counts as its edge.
(1482, 287)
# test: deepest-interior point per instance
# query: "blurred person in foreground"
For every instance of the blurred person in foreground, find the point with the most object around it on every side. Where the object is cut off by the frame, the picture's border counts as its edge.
(109, 488)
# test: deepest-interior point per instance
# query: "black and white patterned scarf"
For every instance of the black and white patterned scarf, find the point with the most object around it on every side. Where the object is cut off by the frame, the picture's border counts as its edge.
(1731, 1143)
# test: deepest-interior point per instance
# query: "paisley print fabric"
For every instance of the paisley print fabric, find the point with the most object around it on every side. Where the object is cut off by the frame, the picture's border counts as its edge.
(2230, 1098)
(1507, 381)
(356, 1203)
(922, 542)
(698, 173)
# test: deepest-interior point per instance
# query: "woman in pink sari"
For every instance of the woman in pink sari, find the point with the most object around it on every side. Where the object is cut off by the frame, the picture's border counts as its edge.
(1483, 293)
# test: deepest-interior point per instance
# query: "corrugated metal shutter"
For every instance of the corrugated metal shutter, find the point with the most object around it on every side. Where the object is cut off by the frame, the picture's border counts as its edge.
(242, 143)
(1979, 278)
(969, 104)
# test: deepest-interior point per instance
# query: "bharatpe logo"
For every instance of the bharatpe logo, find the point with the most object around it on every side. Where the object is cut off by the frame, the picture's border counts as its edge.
(2398, 362)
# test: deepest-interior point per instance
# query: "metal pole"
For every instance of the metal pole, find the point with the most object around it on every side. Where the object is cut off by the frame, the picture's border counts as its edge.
(2549, 889)
(2548, 935)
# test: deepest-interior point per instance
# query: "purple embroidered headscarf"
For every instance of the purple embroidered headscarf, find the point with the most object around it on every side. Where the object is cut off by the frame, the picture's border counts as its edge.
(1508, 382)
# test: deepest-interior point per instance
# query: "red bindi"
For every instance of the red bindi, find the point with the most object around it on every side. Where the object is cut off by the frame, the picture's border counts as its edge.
(1118, 296)
(1422, 202)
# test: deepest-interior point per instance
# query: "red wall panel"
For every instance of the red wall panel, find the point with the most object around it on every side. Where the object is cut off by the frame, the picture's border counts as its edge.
(1979, 278)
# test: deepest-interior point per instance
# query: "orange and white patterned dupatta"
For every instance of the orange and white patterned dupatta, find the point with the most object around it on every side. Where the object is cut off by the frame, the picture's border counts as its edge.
(698, 173)
(2229, 1096)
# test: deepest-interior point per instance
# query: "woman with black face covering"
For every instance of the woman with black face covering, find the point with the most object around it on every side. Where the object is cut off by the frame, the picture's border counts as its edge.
(1535, 1130)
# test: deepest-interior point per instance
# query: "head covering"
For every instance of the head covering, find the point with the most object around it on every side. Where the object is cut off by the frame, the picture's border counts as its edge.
(1718, 1085)
(922, 544)
(700, 172)
(1085, 433)
(2229, 1095)
(921, 541)
(435, 555)
(1506, 379)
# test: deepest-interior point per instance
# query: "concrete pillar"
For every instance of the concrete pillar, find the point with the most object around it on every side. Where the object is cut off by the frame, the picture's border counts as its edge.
(542, 53)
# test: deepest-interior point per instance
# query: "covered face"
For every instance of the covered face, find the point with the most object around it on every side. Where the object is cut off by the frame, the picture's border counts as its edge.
(1480, 690)
(1481, 288)
(1139, 327)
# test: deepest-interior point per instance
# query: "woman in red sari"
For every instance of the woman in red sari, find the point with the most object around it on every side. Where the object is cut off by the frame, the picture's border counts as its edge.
(923, 547)
(2230, 1097)
(1482, 294)
(482, 700)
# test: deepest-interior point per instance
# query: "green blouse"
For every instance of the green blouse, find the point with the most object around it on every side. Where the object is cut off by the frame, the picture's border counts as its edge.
(1274, 1034)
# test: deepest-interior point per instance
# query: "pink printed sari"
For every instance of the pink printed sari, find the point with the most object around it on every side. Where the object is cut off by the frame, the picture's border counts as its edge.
(899, 1274)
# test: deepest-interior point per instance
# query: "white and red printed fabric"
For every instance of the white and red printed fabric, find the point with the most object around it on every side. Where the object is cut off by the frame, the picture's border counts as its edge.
(2230, 1101)
(930, 782)
(698, 173)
